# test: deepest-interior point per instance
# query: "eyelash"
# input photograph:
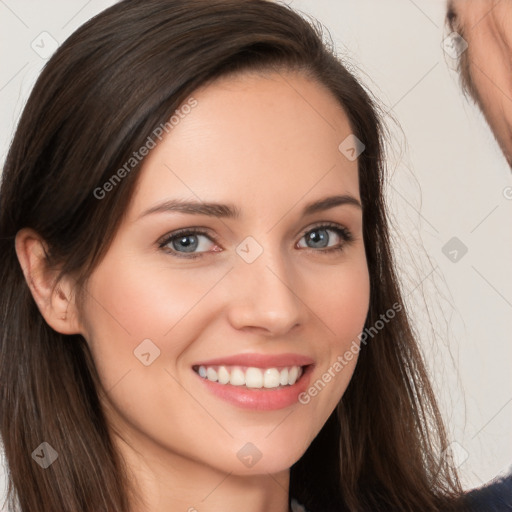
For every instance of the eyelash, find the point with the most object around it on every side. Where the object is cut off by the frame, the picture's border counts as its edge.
(341, 231)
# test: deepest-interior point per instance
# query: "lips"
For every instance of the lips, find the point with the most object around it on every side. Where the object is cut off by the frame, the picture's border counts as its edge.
(257, 381)
(259, 360)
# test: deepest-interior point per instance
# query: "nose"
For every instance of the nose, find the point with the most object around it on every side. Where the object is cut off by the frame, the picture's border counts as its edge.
(266, 295)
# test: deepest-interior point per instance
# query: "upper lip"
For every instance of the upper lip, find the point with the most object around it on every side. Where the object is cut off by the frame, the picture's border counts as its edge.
(259, 360)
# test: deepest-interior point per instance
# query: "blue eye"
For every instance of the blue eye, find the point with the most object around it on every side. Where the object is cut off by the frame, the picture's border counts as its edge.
(185, 242)
(186, 239)
(319, 237)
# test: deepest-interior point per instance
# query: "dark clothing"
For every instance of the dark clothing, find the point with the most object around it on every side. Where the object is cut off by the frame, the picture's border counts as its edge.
(493, 497)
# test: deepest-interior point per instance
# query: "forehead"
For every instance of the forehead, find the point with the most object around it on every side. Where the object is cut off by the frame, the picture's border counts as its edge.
(255, 137)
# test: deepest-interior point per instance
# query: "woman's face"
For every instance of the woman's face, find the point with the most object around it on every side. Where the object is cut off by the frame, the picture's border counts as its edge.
(253, 299)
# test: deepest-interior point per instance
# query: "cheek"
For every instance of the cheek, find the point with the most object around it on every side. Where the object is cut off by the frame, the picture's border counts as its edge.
(129, 302)
(342, 305)
(144, 300)
(341, 300)
(347, 305)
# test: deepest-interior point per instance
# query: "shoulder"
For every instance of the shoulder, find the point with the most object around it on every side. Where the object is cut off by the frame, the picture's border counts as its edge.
(495, 496)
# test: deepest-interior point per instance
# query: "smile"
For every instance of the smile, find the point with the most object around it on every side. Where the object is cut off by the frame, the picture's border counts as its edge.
(261, 382)
(251, 377)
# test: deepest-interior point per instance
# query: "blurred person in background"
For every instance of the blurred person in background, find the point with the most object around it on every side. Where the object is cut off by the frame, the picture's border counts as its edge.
(485, 71)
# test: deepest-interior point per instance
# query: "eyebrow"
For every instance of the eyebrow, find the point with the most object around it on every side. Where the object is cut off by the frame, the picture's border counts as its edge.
(230, 211)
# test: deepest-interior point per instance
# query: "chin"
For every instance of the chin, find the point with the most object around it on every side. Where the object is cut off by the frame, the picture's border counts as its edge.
(268, 455)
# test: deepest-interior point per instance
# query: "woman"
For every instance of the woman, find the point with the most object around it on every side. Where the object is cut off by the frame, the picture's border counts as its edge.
(199, 306)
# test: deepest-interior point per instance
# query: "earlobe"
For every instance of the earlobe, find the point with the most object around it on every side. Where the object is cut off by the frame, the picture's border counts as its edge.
(55, 301)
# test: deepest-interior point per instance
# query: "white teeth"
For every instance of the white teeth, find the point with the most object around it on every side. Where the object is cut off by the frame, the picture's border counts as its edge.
(283, 377)
(293, 374)
(223, 375)
(271, 378)
(252, 377)
(237, 377)
(211, 374)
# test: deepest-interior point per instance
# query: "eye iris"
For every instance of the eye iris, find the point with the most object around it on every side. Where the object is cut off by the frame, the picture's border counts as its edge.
(186, 245)
(318, 239)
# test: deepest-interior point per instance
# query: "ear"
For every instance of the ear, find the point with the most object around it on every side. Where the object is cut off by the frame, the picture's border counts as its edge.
(56, 301)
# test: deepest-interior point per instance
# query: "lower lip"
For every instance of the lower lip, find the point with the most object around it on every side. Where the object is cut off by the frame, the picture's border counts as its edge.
(260, 399)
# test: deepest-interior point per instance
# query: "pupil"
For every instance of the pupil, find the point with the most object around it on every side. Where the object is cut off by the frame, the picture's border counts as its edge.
(315, 238)
(189, 246)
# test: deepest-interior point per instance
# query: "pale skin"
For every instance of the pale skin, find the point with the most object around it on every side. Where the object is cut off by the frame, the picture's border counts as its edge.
(486, 26)
(267, 144)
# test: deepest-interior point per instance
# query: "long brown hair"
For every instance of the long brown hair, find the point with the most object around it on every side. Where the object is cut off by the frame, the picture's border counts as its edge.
(100, 96)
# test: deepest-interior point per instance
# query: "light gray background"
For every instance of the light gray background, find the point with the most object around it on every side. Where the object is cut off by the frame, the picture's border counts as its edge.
(449, 179)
